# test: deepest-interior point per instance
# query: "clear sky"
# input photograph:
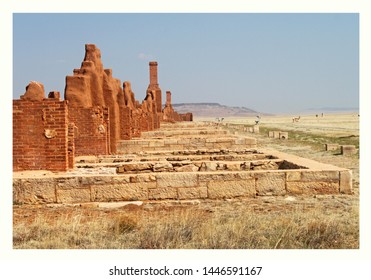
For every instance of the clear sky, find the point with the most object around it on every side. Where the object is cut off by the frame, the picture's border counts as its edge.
(272, 63)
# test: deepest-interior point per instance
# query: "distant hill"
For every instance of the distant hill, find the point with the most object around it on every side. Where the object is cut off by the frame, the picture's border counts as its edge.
(213, 110)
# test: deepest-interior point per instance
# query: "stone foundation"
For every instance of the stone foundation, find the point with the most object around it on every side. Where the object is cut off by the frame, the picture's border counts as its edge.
(165, 175)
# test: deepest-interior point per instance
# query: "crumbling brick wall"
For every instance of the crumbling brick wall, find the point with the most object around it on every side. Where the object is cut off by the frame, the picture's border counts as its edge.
(40, 135)
(187, 117)
(91, 131)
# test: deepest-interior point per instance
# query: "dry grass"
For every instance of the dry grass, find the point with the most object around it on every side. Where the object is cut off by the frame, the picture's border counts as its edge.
(192, 227)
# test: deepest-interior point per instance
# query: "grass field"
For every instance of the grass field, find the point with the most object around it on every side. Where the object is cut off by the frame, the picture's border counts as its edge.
(303, 222)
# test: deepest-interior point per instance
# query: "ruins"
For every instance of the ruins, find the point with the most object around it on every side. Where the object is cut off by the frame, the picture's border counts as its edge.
(96, 113)
(100, 144)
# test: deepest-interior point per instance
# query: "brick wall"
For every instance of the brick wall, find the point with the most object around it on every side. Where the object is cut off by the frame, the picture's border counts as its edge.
(40, 135)
(187, 117)
(91, 131)
(125, 123)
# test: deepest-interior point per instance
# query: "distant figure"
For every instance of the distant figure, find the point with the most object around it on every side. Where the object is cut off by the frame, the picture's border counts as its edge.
(316, 115)
(322, 115)
(257, 120)
(296, 119)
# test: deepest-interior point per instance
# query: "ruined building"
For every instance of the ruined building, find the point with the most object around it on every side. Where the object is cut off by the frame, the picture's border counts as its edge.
(96, 113)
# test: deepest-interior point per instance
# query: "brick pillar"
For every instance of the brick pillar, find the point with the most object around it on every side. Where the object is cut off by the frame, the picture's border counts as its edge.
(153, 79)
(168, 98)
(153, 85)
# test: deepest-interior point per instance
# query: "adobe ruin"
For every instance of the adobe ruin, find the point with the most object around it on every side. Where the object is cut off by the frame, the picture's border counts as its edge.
(96, 113)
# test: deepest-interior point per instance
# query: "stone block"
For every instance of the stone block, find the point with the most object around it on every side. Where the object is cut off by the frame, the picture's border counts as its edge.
(134, 167)
(324, 175)
(86, 181)
(156, 143)
(183, 141)
(348, 150)
(73, 195)
(122, 192)
(177, 180)
(308, 188)
(208, 166)
(234, 166)
(170, 141)
(256, 128)
(206, 177)
(332, 147)
(163, 166)
(240, 141)
(162, 193)
(120, 180)
(346, 182)
(250, 141)
(187, 168)
(192, 193)
(68, 183)
(270, 183)
(284, 135)
(292, 176)
(34, 191)
(276, 134)
(230, 189)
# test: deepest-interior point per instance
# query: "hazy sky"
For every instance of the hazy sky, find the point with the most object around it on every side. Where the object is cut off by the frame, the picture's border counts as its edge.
(273, 63)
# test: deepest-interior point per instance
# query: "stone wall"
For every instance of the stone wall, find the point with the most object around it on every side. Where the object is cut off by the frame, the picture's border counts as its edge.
(188, 185)
(142, 145)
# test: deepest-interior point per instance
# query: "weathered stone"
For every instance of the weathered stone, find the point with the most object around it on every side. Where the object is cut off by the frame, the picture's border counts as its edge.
(164, 166)
(187, 168)
(86, 181)
(320, 175)
(348, 150)
(122, 192)
(317, 187)
(245, 166)
(233, 166)
(293, 176)
(134, 167)
(73, 195)
(346, 182)
(163, 193)
(177, 180)
(270, 183)
(332, 147)
(283, 135)
(34, 191)
(208, 166)
(192, 193)
(276, 134)
(264, 165)
(229, 189)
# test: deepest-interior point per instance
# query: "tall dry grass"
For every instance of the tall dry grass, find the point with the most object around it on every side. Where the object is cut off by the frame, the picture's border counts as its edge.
(191, 228)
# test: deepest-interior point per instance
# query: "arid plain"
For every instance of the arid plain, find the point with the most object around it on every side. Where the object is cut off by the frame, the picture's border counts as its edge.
(263, 222)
